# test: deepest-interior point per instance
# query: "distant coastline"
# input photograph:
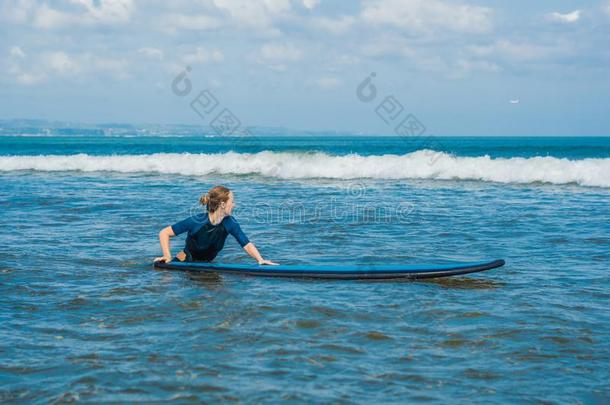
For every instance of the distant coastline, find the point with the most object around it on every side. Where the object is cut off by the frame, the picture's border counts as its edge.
(42, 127)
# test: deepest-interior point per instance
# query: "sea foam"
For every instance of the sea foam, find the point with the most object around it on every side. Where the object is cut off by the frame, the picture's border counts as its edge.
(423, 164)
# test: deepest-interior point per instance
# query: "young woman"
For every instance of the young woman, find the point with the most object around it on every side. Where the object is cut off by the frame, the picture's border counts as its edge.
(207, 231)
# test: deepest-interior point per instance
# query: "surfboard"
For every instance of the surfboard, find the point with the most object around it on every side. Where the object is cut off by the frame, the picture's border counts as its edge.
(342, 272)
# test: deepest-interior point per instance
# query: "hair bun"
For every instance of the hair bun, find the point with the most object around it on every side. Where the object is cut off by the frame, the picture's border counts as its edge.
(214, 198)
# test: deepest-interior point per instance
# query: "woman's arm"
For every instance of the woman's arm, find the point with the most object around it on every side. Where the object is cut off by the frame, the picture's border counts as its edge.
(164, 236)
(232, 226)
(253, 251)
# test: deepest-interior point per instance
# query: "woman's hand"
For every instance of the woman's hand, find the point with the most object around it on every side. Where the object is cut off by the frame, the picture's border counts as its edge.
(263, 261)
(165, 259)
(164, 236)
(253, 251)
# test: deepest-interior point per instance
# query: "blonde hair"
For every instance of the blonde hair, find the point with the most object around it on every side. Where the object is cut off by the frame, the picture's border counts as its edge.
(213, 198)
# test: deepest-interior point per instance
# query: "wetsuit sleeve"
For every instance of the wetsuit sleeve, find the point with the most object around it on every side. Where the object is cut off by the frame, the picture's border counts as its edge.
(184, 225)
(234, 229)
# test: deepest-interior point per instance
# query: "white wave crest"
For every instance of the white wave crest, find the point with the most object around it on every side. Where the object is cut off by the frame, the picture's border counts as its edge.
(423, 164)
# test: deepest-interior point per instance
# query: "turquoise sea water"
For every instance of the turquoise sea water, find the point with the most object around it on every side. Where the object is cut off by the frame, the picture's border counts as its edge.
(84, 316)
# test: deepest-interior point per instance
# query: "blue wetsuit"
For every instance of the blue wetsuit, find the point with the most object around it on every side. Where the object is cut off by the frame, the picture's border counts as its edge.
(205, 240)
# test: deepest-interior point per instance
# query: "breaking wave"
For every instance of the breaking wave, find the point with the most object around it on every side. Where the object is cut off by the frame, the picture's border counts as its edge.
(423, 164)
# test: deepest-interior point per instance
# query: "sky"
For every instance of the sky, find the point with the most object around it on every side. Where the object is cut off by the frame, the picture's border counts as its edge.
(458, 67)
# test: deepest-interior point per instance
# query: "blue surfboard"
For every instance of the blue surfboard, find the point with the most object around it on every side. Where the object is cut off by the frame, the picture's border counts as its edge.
(343, 272)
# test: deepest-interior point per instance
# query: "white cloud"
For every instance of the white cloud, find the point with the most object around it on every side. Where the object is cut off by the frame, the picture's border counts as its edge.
(176, 22)
(381, 31)
(427, 16)
(310, 4)
(28, 78)
(201, 55)
(47, 17)
(256, 16)
(117, 68)
(521, 51)
(338, 63)
(280, 51)
(17, 52)
(259, 14)
(276, 55)
(107, 10)
(333, 25)
(60, 63)
(566, 18)
(13, 68)
(467, 66)
(327, 83)
(17, 11)
(396, 46)
(414, 56)
(86, 13)
(154, 53)
(386, 45)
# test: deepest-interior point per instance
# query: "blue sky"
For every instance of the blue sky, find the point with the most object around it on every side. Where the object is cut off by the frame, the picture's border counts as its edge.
(455, 65)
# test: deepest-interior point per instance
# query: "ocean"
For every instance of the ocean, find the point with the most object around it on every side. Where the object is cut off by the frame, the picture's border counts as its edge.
(85, 316)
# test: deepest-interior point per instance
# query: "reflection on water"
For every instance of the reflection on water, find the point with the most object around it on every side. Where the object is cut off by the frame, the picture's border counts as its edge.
(466, 283)
(210, 280)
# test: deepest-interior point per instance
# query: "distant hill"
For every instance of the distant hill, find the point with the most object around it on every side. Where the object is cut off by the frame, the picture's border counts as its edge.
(38, 127)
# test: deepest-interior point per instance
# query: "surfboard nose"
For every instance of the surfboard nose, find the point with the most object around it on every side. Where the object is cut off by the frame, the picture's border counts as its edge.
(497, 263)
